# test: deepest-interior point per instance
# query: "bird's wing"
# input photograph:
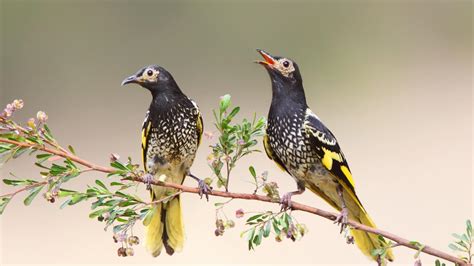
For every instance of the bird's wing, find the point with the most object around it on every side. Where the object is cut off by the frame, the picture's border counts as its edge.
(271, 155)
(328, 150)
(145, 134)
(199, 123)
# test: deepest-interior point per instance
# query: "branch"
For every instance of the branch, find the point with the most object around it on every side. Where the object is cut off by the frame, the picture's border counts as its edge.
(245, 196)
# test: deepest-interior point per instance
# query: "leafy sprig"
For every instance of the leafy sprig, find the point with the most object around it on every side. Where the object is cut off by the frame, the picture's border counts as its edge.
(464, 243)
(235, 140)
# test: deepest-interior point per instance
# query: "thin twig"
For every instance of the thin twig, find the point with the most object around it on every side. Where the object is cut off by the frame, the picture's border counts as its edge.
(295, 205)
(23, 189)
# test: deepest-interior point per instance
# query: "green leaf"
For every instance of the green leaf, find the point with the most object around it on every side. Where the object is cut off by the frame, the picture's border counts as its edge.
(48, 134)
(252, 171)
(3, 203)
(65, 203)
(99, 183)
(116, 184)
(250, 235)
(224, 104)
(97, 213)
(32, 194)
(15, 182)
(71, 149)
(454, 247)
(233, 113)
(268, 227)
(66, 193)
(118, 165)
(469, 228)
(258, 237)
(254, 217)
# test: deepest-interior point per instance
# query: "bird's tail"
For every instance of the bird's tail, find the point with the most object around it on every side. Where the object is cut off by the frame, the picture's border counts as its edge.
(165, 228)
(367, 241)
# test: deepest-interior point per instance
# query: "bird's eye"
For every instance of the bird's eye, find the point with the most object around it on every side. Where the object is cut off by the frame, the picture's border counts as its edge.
(286, 63)
(149, 72)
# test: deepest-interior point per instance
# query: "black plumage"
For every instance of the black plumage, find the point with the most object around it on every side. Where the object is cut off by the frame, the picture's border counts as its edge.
(298, 141)
(171, 134)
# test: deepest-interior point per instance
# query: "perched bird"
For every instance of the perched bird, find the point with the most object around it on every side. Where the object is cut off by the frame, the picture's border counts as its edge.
(303, 146)
(171, 134)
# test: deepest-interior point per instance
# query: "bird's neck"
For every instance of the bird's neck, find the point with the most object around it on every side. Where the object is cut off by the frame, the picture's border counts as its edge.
(287, 98)
(165, 99)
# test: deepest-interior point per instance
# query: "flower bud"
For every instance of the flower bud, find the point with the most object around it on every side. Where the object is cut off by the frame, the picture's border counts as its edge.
(18, 104)
(41, 116)
(129, 252)
(239, 213)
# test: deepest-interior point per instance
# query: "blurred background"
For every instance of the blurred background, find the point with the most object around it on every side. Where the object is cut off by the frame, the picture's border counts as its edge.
(392, 79)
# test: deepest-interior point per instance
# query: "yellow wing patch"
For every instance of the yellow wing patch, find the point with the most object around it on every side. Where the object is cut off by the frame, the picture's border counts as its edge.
(348, 174)
(200, 128)
(329, 156)
(145, 131)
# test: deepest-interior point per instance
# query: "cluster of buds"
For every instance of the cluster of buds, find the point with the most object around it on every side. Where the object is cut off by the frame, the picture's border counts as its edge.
(104, 217)
(221, 226)
(129, 241)
(11, 108)
(41, 116)
(125, 252)
(294, 232)
(51, 196)
(271, 190)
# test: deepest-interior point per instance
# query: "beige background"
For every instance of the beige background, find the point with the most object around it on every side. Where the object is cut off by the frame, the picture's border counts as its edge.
(392, 80)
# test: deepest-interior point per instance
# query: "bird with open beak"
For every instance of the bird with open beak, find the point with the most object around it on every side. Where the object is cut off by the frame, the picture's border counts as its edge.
(300, 144)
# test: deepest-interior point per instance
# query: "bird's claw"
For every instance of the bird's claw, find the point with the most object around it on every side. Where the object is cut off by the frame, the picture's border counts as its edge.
(342, 219)
(286, 201)
(204, 189)
(148, 179)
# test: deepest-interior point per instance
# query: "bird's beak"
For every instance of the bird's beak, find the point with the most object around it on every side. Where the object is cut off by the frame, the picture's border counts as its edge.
(269, 60)
(131, 79)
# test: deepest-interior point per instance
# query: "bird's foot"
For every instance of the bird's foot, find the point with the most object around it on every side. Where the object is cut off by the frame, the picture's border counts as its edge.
(204, 189)
(148, 179)
(342, 219)
(285, 201)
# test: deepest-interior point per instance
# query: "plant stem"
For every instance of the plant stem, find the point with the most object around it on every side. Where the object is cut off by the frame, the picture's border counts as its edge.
(225, 194)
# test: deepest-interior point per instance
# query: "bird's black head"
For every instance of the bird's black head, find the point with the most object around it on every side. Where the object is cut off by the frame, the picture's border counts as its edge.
(286, 79)
(154, 78)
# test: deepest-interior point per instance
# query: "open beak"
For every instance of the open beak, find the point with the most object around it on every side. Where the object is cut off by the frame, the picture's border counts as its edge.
(131, 79)
(269, 60)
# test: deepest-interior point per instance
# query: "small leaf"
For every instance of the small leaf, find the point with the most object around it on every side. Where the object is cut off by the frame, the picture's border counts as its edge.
(233, 113)
(116, 184)
(454, 247)
(98, 182)
(64, 204)
(32, 194)
(225, 102)
(71, 149)
(66, 193)
(254, 217)
(252, 171)
(3, 204)
(268, 227)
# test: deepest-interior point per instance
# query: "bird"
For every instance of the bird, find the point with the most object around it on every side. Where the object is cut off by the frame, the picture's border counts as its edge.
(171, 134)
(300, 144)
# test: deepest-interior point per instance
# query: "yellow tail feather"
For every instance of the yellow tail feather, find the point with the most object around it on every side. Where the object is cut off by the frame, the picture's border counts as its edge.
(367, 241)
(165, 228)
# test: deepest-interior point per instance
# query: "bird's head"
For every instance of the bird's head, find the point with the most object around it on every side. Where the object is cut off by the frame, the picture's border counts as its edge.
(282, 70)
(154, 78)
(287, 84)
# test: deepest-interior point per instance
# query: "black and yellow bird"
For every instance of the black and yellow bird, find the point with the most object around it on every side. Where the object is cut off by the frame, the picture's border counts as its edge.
(171, 134)
(302, 145)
